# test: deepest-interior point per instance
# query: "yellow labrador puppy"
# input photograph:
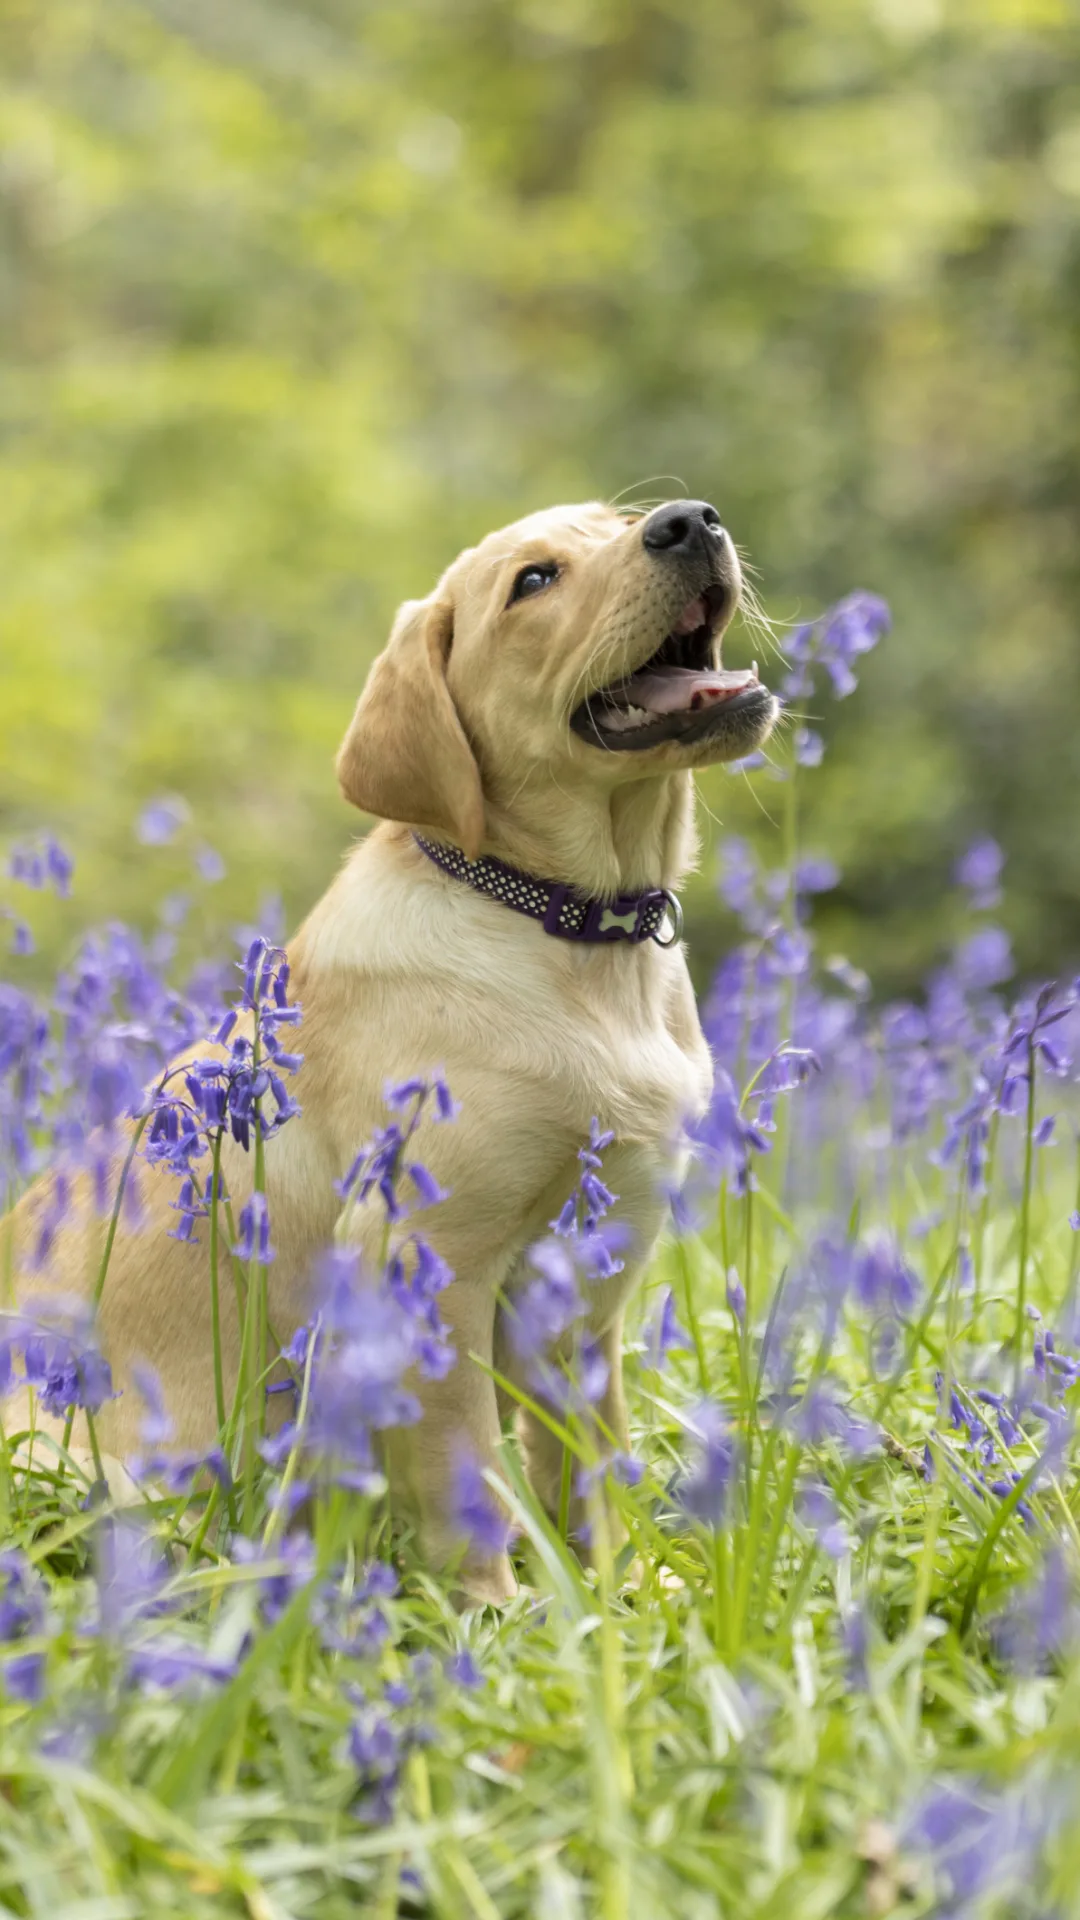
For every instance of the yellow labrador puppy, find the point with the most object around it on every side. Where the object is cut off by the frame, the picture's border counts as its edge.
(527, 739)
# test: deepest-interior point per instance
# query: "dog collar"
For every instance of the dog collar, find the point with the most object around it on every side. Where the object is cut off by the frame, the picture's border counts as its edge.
(561, 910)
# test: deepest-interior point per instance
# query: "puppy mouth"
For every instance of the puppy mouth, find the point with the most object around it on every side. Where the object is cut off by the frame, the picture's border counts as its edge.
(679, 693)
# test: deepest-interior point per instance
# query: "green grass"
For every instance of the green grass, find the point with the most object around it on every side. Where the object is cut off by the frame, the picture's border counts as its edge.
(676, 1733)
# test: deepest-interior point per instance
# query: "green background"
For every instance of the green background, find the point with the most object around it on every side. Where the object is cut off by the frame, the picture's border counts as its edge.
(297, 299)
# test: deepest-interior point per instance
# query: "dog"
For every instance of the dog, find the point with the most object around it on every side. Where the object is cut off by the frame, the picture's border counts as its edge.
(539, 715)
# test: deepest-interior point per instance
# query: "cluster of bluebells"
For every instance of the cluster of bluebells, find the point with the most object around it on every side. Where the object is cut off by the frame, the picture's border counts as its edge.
(936, 1076)
(548, 1313)
(831, 644)
(237, 1091)
(371, 1328)
(398, 1719)
(74, 1071)
(989, 1428)
(979, 1842)
(39, 864)
(54, 1340)
(385, 1163)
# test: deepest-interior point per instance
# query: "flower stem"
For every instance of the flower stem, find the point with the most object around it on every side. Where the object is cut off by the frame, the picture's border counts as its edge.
(1025, 1215)
(215, 1297)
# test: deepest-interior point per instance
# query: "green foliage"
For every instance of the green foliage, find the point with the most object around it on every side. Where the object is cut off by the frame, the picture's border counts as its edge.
(298, 299)
(696, 1742)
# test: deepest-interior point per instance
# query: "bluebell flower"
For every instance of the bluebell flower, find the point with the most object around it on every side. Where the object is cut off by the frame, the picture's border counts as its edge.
(985, 959)
(156, 1427)
(725, 1139)
(663, 1334)
(161, 820)
(979, 871)
(356, 1622)
(817, 1510)
(130, 1573)
(706, 1488)
(882, 1277)
(209, 865)
(855, 1639)
(22, 1617)
(735, 1294)
(42, 864)
(850, 628)
(740, 882)
(1041, 1622)
(61, 1359)
(475, 1512)
(254, 1226)
(462, 1669)
(809, 747)
(279, 1574)
(377, 1747)
(979, 1841)
(813, 874)
(168, 1664)
(620, 1467)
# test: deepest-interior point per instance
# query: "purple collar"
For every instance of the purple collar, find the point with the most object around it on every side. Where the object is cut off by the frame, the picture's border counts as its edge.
(560, 909)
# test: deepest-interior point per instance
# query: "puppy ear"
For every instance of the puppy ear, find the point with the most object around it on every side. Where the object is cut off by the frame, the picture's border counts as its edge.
(405, 756)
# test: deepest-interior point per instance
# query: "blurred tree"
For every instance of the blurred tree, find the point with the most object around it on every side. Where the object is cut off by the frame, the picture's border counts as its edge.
(296, 299)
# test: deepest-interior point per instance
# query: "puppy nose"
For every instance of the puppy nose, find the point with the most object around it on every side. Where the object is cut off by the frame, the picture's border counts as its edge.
(683, 527)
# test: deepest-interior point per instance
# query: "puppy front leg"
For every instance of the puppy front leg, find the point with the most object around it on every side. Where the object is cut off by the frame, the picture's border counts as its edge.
(460, 1418)
(544, 1452)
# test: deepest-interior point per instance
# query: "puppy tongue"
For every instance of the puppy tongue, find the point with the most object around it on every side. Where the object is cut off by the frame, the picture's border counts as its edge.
(683, 689)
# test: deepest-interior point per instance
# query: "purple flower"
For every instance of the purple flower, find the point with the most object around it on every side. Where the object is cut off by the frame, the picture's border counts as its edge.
(1040, 1624)
(883, 1280)
(171, 1665)
(817, 1511)
(822, 1414)
(725, 1140)
(209, 865)
(371, 1331)
(381, 1165)
(979, 870)
(705, 1490)
(815, 875)
(619, 1467)
(130, 1572)
(161, 820)
(357, 1623)
(979, 1841)
(985, 959)
(254, 1224)
(156, 1426)
(462, 1669)
(664, 1335)
(22, 1617)
(850, 628)
(278, 1575)
(593, 1371)
(855, 1638)
(809, 747)
(41, 864)
(740, 882)
(476, 1514)
(61, 1359)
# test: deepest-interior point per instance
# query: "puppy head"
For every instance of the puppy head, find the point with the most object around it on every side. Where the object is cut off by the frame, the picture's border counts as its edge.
(579, 644)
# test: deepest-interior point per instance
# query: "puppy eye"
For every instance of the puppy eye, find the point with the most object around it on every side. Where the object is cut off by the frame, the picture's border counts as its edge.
(533, 579)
